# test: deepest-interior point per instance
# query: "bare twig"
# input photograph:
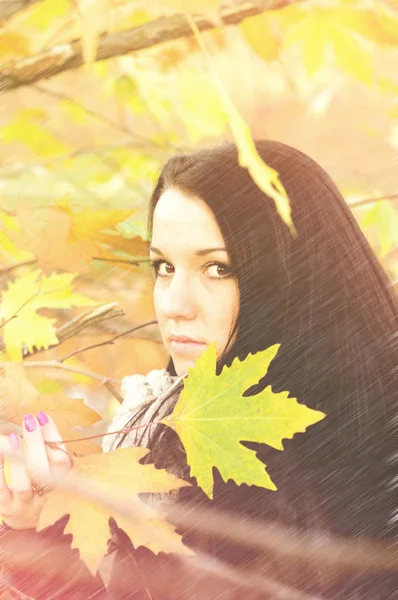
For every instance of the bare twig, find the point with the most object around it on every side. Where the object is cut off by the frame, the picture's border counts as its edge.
(134, 262)
(372, 200)
(26, 263)
(80, 322)
(108, 341)
(114, 391)
(101, 435)
(63, 57)
(88, 319)
(136, 140)
(55, 364)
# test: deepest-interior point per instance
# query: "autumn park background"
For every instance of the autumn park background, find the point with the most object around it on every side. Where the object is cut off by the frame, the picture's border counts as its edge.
(95, 96)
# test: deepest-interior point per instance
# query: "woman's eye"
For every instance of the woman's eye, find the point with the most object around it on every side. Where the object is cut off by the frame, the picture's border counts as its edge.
(161, 267)
(219, 271)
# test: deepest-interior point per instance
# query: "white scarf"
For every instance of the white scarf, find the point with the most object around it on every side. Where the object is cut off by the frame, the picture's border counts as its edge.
(138, 390)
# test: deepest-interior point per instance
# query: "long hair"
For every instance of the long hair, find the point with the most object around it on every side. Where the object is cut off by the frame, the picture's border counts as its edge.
(325, 298)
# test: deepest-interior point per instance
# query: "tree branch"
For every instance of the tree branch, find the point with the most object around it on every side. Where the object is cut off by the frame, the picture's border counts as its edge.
(78, 323)
(108, 341)
(56, 364)
(372, 200)
(63, 57)
(87, 319)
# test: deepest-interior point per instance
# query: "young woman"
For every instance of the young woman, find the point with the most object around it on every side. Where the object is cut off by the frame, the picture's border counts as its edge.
(228, 270)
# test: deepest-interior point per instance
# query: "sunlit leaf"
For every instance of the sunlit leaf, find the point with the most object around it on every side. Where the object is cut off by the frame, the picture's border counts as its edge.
(8, 249)
(210, 8)
(23, 298)
(351, 54)
(118, 471)
(42, 14)
(382, 220)
(260, 33)
(202, 113)
(76, 113)
(13, 45)
(30, 129)
(212, 417)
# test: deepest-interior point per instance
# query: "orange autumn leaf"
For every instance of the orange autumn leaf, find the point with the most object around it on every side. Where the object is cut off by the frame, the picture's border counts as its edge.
(16, 391)
(47, 233)
(67, 413)
(19, 396)
(118, 473)
(63, 239)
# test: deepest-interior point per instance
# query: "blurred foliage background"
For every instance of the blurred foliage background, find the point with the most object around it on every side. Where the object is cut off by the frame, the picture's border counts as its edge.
(97, 94)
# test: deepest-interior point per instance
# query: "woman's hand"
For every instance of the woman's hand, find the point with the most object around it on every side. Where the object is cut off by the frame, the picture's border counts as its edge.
(21, 501)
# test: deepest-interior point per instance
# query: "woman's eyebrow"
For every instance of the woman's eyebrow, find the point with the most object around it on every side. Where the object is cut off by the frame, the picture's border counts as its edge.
(198, 252)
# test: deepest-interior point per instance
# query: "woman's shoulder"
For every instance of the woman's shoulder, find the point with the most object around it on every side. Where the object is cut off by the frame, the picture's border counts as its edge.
(137, 391)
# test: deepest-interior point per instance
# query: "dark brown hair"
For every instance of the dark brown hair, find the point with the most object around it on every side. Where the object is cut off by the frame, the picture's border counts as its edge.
(326, 299)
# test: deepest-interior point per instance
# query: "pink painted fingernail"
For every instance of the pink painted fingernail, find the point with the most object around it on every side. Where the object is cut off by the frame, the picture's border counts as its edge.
(42, 418)
(30, 423)
(14, 441)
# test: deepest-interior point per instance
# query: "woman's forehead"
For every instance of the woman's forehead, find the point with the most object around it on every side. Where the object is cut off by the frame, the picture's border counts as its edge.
(178, 216)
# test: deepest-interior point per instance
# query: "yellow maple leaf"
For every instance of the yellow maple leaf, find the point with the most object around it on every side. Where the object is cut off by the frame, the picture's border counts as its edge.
(212, 417)
(30, 128)
(209, 8)
(120, 473)
(206, 113)
(260, 34)
(13, 45)
(17, 393)
(266, 178)
(378, 25)
(26, 295)
(312, 32)
(352, 54)
(8, 249)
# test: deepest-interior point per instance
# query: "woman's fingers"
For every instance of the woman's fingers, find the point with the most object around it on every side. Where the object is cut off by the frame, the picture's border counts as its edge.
(59, 460)
(20, 478)
(5, 492)
(35, 450)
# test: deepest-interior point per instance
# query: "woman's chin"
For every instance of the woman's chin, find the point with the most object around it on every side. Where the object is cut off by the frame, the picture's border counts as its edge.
(181, 365)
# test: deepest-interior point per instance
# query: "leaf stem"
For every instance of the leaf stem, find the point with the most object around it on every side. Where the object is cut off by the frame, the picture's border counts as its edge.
(107, 341)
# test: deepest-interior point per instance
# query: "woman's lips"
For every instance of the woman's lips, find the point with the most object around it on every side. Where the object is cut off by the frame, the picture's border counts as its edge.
(187, 347)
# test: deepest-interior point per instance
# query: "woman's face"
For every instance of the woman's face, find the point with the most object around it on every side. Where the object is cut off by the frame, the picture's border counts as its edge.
(196, 294)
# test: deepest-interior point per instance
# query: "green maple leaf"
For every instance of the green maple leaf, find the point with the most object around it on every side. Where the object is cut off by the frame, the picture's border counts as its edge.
(211, 417)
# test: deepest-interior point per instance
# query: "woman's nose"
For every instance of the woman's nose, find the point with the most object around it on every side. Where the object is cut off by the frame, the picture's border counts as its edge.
(179, 299)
